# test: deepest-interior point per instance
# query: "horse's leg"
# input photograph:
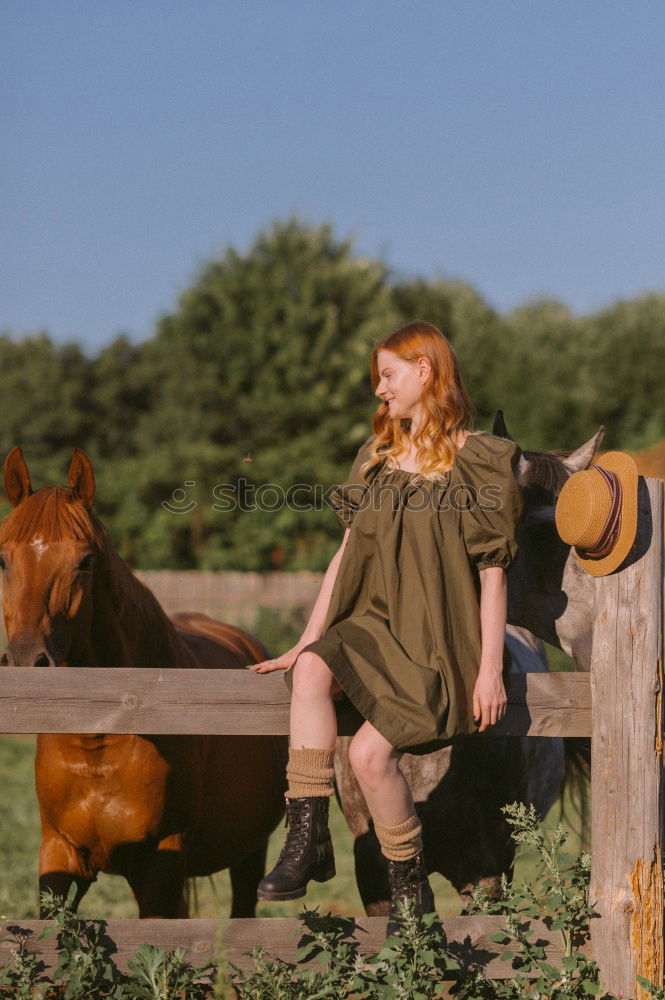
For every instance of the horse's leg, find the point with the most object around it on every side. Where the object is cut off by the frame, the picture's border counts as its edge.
(157, 878)
(60, 866)
(371, 874)
(245, 877)
(466, 835)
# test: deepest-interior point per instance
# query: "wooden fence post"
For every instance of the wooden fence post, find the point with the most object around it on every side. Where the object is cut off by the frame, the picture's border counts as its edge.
(627, 760)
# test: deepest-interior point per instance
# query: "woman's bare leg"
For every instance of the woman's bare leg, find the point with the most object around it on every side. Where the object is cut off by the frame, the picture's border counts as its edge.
(313, 722)
(308, 850)
(374, 761)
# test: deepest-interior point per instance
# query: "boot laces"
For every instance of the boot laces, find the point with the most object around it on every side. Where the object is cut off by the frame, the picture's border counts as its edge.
(297, 821)
(404, 877)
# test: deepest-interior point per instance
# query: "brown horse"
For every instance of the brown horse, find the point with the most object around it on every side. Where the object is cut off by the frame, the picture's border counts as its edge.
(155, 809)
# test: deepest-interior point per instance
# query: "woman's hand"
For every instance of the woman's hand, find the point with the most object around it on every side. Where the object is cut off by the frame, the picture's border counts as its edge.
(282, 662)
(489, 697)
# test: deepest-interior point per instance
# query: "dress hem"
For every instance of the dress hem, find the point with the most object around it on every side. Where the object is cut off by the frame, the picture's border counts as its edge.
(366, 704)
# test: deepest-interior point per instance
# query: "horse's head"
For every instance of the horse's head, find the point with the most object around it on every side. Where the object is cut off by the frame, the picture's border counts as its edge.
(48, 547)
(549, 593)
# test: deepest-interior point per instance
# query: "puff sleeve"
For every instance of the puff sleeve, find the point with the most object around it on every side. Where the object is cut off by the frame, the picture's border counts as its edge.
(490, 501)
(347, 498)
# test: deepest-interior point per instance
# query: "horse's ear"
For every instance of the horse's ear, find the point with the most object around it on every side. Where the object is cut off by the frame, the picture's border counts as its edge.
(81, 477)
(17, 477)
(499, 427)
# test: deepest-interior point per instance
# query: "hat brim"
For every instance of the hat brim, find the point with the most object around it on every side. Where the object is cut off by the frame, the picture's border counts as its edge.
(625, 468)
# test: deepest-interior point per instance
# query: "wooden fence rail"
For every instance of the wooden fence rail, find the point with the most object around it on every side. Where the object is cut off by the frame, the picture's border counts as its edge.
(468, 939)
(235, 702)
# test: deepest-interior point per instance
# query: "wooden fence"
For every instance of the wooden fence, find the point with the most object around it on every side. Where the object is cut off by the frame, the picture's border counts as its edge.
(619, 705)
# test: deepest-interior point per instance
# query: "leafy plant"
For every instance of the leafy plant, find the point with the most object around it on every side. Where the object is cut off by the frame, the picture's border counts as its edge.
(86, 970)
(24, 979)
(85, 967)
(159, 975)
(558, 896)
(408, 967)
(415, 965)
(657, 992)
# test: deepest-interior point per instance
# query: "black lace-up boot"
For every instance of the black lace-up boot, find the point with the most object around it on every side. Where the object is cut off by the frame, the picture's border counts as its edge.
(408, 880)
(307, 853)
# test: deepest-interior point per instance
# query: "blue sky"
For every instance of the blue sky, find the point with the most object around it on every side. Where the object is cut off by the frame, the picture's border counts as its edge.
(517, 144)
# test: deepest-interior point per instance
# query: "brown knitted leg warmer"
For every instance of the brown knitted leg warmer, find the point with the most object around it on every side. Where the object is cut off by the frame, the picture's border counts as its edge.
(399, 843)
(309, 772)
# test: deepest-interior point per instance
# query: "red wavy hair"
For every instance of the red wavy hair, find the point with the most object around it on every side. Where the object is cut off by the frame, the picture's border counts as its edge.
(446, 407)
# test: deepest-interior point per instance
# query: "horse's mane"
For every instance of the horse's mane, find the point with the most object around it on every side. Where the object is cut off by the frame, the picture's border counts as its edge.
(545, 470)
(53, 514)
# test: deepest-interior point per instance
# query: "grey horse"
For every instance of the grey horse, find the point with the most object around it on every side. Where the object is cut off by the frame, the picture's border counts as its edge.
(459, 791)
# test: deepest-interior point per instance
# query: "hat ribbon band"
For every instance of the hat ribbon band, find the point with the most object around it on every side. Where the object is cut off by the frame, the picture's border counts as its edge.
(610, 533)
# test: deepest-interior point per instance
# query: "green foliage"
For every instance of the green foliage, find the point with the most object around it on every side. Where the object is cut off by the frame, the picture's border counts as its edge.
(44, 389)
(413, 966)
(625, 359)
(657, 992)
(547, 381)
(569, 374)
(25, 978)
(86, 970)
(266, 357)
(559, 897)
(85, 967)
(157, 975)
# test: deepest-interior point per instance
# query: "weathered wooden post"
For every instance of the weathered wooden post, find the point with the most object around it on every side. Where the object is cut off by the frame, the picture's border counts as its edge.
(628, 788)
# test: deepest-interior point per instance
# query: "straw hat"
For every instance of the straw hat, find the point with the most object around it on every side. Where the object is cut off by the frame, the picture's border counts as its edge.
(597, 512)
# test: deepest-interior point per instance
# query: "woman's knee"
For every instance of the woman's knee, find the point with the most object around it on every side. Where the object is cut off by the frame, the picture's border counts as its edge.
(371, 758)
(312, 677)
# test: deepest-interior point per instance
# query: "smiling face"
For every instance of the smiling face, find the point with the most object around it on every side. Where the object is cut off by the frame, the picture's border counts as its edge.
(401, 384)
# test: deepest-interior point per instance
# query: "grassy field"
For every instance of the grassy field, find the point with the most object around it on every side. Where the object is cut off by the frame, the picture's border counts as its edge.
(110, 896)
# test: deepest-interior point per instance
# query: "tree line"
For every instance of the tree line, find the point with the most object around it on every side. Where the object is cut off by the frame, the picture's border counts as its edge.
(260, 378)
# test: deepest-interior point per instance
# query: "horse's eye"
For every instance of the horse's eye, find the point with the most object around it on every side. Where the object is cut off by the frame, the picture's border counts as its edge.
(2, 563)
(87, 563)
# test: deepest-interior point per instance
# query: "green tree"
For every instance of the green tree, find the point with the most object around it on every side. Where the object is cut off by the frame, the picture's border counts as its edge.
(624, 365)
(45, 390)
(265, 358)
(544, 380)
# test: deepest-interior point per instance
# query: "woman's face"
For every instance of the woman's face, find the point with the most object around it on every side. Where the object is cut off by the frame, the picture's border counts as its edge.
(401, 383)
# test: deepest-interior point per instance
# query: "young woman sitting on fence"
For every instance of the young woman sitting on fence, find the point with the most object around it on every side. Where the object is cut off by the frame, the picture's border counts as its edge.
(410, 619)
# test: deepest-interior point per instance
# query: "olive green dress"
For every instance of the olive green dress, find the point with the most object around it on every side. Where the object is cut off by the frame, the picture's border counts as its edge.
(402, 633)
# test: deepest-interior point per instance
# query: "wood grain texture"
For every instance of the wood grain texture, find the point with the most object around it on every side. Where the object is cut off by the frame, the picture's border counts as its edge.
(627, 760)
(206, 940)
(235, 702)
